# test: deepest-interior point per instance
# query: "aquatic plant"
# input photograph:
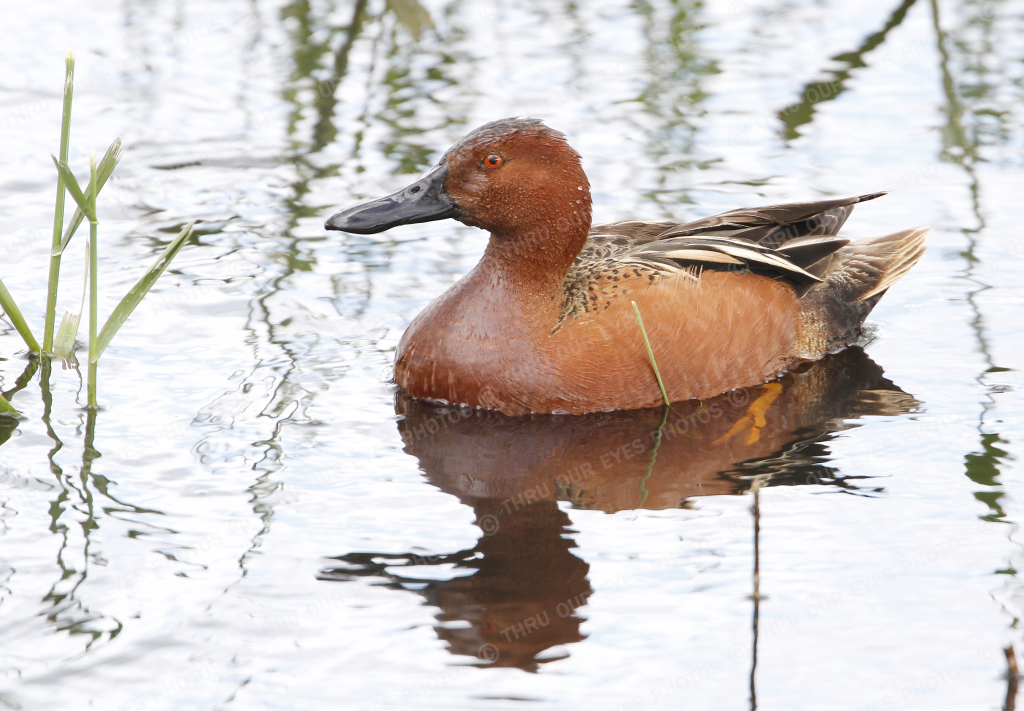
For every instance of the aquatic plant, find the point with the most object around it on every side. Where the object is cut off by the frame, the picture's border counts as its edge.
(650, 353)
(62, 343)
(7, 408)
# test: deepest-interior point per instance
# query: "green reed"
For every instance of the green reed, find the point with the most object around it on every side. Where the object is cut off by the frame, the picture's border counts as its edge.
(58, 210)
(650, 353)
(99, 338)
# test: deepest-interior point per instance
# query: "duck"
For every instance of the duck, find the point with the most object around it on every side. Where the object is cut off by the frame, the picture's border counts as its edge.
(557, 315)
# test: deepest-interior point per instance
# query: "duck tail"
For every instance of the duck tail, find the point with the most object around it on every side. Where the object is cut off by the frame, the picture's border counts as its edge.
(856, 278)
(864, 270)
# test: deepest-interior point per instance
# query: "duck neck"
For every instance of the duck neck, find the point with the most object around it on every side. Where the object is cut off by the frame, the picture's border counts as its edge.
(534, 258)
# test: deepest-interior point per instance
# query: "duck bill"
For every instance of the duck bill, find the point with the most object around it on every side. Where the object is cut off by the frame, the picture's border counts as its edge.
(423, 201)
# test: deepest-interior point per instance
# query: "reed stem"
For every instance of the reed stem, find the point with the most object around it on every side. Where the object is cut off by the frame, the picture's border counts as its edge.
(58, 212)
(650, 353)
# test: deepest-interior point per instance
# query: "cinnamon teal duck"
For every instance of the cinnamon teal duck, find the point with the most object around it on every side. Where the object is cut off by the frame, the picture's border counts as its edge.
(545, 322)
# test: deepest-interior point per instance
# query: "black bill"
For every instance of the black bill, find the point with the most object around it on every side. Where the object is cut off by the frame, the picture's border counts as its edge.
(423, 201)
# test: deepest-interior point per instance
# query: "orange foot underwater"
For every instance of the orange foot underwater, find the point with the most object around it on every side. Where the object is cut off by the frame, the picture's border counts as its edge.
(544, 323)
(754, 417)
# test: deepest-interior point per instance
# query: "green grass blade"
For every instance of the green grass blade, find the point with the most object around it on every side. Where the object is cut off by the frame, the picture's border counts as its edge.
(106, 167)
(7, 408)
(72, 185)
(650, 353)
(14, 313)
(135, 296)
(58, 210)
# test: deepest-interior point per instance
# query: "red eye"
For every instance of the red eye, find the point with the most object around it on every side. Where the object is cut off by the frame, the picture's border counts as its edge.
(494, 160)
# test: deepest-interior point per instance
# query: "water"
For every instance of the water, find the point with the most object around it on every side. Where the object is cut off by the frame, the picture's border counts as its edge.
(252, 520)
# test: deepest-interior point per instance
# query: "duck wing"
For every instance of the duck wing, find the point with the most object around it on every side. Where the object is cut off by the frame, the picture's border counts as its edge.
(609, 271)
(774, 225)
(793, 242)
(770, 226)
(800, 261)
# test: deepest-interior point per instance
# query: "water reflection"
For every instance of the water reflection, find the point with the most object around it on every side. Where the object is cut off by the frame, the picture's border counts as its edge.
(977, 117)
(403, 75)
(75, 507)
(521, 595)
(524, 586)
(675, 71)
(9, 424)
(406, 78)
(802, 112)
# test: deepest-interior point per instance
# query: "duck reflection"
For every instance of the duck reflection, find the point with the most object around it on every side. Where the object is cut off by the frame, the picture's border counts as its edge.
(522, 585)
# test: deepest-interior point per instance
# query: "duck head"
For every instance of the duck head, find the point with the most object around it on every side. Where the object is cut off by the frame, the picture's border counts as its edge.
(513, 177)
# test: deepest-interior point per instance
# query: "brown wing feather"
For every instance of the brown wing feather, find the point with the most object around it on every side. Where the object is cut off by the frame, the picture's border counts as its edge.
(774, 225)
(771, 226)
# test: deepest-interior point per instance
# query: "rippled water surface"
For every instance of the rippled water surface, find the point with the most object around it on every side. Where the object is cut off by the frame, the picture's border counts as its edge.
(256, 519)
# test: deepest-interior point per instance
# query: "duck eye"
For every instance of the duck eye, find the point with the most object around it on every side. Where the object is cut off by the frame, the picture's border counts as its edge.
(494, 160)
